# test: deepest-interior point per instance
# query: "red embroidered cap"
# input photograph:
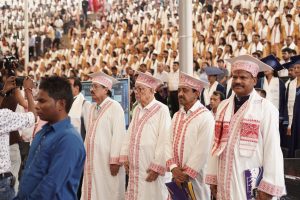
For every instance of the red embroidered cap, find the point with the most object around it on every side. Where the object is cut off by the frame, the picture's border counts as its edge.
(148, 80)
(248, 63)
(103, 79)
(186, 80)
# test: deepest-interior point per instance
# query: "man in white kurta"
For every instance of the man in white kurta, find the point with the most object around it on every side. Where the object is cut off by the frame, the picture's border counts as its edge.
(191, 137)
(246, 137)
(145, 147)
(104, 178)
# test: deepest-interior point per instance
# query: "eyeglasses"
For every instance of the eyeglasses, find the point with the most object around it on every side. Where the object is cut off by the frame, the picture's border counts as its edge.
(139, 89)
(96, 86)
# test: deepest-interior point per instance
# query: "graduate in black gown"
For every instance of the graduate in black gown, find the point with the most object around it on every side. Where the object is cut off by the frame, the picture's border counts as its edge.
(275, 89)
(293, 99)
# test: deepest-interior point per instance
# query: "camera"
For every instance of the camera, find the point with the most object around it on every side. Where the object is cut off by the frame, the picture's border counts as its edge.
(10, 64)
(19, 81)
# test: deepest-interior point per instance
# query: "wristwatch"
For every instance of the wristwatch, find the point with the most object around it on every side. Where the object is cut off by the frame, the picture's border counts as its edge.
(2, 94)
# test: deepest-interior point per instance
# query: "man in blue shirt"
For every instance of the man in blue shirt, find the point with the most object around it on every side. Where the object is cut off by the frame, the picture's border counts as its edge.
(57, 154)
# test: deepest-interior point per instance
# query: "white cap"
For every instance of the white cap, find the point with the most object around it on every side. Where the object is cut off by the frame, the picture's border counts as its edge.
(103, 79)
(248, 63)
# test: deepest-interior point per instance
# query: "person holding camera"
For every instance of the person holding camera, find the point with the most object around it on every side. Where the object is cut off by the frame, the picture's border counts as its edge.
(12, 121)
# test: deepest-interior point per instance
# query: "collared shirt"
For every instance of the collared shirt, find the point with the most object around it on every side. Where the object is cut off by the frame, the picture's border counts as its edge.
(55, 163)
(11, 121)
(146, 108)
(196, 105)
(99, 106)
(239, 101)
(173, 81)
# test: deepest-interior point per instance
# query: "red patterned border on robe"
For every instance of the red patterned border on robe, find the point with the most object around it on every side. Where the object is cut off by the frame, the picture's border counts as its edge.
(88, 168)
(211, 179)
(158, 168)
(270, 188)
(137, 128)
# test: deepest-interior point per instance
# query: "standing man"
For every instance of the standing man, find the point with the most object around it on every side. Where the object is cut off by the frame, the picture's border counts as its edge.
(57, 154)
(12, 121)
(75, 114)
(191, 137)
(293, 101)
(246, 137)
(77, 105)
(85, 8)
(144, 148)
(173, 80)
(103, 176)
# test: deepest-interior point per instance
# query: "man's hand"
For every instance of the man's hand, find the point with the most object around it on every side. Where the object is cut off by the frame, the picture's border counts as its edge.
(263, 196)
(126, 166)
(28, 83)
(179, 176)
(9, 84)
(289, 132)
(152, 175)
(114, 169)
(214, 189)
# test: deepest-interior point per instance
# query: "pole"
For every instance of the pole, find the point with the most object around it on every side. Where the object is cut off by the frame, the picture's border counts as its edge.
(185, 36)
(26, 36)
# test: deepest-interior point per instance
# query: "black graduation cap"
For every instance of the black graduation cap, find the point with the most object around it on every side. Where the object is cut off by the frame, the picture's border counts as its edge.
(273, 62)
(294, 60)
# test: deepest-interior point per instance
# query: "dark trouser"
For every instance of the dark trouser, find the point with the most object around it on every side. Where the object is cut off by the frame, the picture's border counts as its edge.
(7, 191)
(173, 102)
(56, 43)
(31, 52)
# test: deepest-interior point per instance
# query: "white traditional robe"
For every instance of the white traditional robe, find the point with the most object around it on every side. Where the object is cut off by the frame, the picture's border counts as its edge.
(76, 110)
(103, 142)
(189, 144)
(145, 148)
(272, 90)
(245, 140)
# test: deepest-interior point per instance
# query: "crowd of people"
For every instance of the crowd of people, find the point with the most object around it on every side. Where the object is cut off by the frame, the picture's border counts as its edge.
(240, 104)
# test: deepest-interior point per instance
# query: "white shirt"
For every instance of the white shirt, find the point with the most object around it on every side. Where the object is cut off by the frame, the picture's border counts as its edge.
(11, 121)
(163, 76)
(173, 81)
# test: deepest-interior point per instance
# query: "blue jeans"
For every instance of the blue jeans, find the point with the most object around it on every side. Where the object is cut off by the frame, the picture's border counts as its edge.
(7, 191)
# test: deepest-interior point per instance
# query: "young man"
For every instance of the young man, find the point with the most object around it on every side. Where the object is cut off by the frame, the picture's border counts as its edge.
(103, 178)
(215, 100)
(144, 148)
(57, 154)
(246, 137)
(214, 85)
(293, 101)
(191, 136)
(12, 121)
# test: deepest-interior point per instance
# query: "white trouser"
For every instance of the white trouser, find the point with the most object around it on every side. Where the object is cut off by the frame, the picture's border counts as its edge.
(15, 158)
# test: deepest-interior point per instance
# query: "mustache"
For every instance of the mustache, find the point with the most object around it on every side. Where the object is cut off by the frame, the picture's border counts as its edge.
(237, 85)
